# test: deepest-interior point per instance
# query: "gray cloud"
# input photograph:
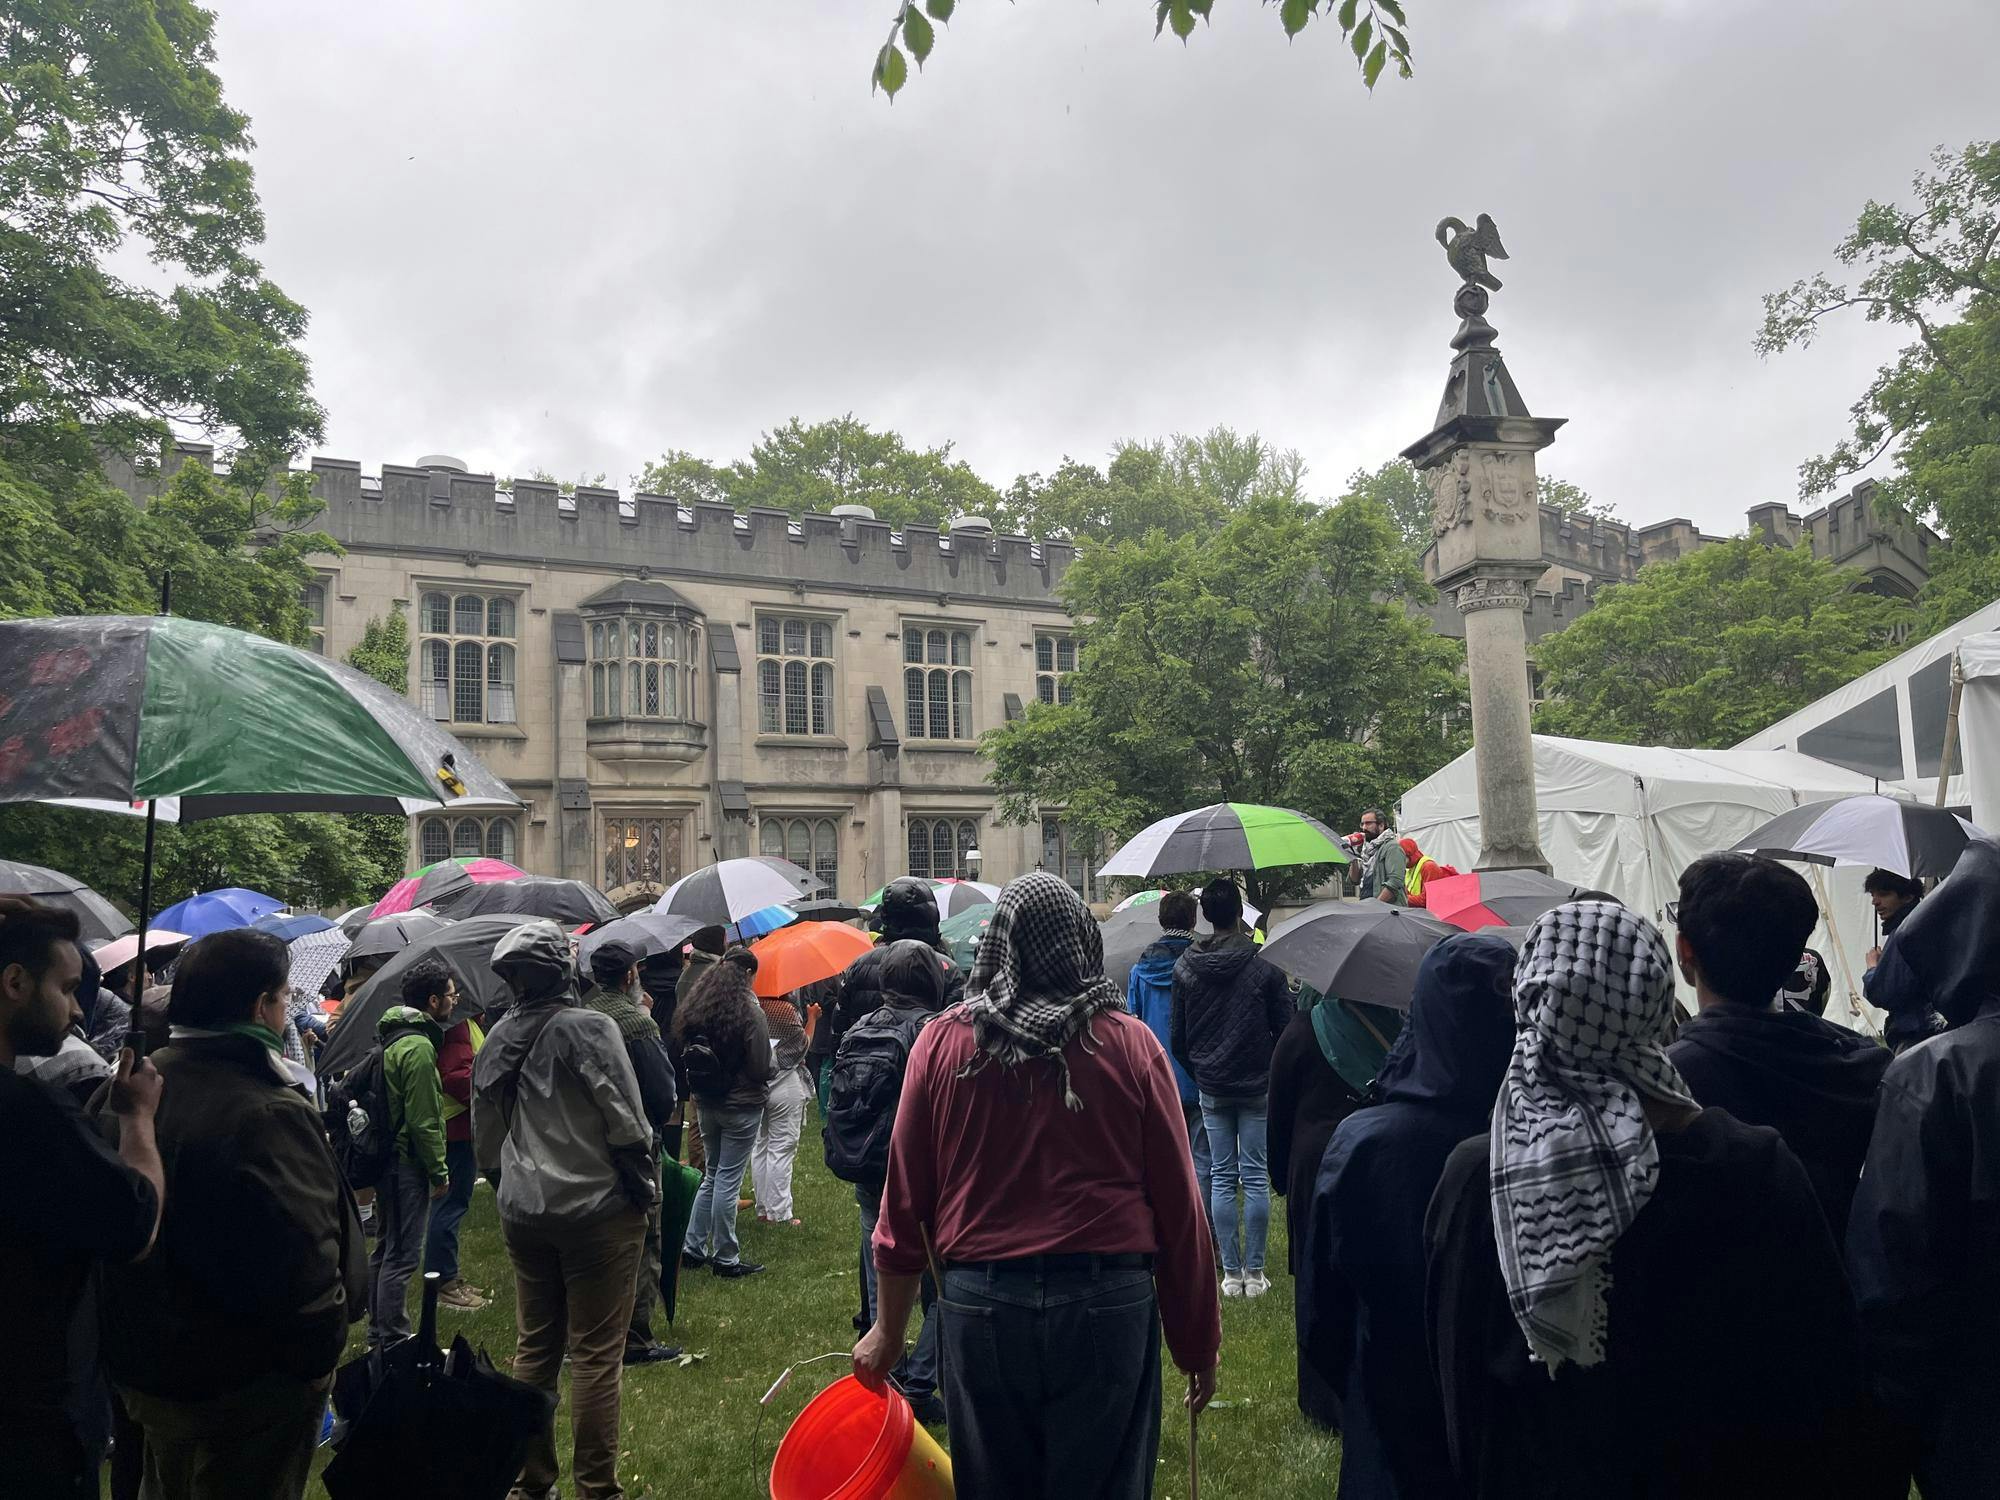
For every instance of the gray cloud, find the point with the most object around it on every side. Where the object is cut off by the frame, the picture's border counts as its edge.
(570, 237)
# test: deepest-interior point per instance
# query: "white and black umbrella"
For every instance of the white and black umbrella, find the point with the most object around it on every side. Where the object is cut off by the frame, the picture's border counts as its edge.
(1915, 841)
(732, 889)
(1357, 950)
(1226, 836)
(394, 934)
(101, 920)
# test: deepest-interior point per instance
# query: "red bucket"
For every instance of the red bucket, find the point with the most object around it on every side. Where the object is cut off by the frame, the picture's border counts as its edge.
(853, 1444)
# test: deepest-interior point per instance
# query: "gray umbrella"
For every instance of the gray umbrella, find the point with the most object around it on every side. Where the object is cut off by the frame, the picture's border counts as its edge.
(101, 920)
(394, 934)
(466, 947)
(565, 901)
(1357, 950)
(649, 931)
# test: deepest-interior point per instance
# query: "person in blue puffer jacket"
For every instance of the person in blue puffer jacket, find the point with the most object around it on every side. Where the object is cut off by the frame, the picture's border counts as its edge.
(1149, 995)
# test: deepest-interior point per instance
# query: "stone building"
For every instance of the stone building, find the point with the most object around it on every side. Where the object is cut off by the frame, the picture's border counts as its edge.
(666, 685)
(1584, 554)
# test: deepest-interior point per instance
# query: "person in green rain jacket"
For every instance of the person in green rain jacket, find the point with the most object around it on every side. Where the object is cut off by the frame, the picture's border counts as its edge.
(411, 1034)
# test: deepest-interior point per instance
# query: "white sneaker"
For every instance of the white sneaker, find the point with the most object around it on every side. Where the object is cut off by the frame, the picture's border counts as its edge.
(1232, 1285)
(1255, 1284)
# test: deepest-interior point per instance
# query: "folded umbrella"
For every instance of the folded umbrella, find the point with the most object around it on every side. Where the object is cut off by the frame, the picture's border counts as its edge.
(565, 901)
(464, 947)
(650, 932)
(444, 878)
(1915, 841)
(218, 911)
(1495, 898)
(420, 1422)
(1226, 836)
(679, 1184)
(1357, 950)
(99, 917)
(804, 954)
(393, 934)
(731, 889)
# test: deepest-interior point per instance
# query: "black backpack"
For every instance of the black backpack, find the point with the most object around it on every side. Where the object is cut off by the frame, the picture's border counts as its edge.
(356, 1116)
(867, 1085)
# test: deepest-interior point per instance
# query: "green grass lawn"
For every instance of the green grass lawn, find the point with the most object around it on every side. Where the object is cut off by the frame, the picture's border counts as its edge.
(694, 1431)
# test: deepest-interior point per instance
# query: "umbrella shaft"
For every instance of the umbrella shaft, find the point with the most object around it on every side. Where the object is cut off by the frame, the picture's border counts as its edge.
(135, 1035)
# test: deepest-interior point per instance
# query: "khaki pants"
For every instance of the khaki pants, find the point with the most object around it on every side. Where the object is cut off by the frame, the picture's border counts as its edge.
(573, 1291)
(646, 1294)
(256, 1440)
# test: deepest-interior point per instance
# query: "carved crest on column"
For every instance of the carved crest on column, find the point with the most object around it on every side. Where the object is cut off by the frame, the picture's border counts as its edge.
(1504, 495)
(1490, 593)
(1451, 494)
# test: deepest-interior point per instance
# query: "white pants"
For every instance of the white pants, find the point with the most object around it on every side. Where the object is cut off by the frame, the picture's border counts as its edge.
(778, 1143)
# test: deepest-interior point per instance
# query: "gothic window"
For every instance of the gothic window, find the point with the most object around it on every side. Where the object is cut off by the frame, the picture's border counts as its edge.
(795, 675)
(937, 684)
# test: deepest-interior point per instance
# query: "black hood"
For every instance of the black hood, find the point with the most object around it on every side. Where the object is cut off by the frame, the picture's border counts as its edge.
(1216, 961)
(1950, 941)
(909, 910)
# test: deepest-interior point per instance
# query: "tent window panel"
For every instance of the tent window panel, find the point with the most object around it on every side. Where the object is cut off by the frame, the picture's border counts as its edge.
(1930, 702)
(1865, 738)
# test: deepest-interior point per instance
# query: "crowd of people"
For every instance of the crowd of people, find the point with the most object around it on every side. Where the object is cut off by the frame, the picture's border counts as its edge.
(1551, 1236)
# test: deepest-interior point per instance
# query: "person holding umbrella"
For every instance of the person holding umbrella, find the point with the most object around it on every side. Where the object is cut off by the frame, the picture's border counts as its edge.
(1039, 1158)
(558, 1119)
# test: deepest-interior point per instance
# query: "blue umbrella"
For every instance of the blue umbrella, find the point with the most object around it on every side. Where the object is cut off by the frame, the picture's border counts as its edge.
(217, 911)
(288, 926)
(765, 920)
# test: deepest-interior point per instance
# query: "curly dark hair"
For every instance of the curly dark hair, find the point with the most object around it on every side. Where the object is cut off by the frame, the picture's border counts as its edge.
(722, 1010)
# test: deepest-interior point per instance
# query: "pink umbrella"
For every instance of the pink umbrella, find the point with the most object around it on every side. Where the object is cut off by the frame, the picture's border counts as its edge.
(447, 875)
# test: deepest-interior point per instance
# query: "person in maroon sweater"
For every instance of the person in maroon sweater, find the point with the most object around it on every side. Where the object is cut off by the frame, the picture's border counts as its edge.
(461, 1044)
(1040, 1155)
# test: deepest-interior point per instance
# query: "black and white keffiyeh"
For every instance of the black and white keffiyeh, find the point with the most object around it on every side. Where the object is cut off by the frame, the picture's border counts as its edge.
(1573, 1158)
(1038, 978)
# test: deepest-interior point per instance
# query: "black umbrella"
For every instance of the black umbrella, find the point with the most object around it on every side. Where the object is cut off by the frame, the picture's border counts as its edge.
(467, 950)
(565, 901)
(101, 920)
(393, 934)
(827, 911)
(1917, 842)
(1357, 950)
(422, 1422)
(649, 931)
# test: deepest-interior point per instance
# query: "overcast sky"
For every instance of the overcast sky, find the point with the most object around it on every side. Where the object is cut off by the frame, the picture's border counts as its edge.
(570, 236)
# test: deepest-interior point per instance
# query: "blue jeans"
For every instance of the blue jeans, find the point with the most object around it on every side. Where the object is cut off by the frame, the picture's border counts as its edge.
(1204, 1164)
(727, 1137)
(916, 1374)
(1236, 1139)
(1054, 1388)
(441, 1240)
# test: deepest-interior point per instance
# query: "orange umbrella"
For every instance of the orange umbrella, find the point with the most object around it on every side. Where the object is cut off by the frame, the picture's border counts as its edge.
(805, 953)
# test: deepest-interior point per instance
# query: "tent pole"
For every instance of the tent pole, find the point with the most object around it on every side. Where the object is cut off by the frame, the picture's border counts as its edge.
(1950, 752)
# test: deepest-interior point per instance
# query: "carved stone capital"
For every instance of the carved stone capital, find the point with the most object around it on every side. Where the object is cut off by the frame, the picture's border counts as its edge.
(1490, 593)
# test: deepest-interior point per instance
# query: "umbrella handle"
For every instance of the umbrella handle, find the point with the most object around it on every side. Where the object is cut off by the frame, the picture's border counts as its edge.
(764, 1402)
(428, 1352)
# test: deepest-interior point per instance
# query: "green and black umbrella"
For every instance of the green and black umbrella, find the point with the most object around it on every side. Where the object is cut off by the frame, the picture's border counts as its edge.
(132, 708)
(1226, 836)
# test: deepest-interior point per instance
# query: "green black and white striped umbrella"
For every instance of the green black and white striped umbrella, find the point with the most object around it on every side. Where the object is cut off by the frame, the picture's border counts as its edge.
(1226, 836)
(132, 708)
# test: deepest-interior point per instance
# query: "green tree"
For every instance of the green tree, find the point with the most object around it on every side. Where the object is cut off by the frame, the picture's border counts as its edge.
(1372, 29)
(1177, 485)
(114, 137)
(1932, 268)
(1400, 490)
(1264, 661)
(1705, 650)
(1572, 499)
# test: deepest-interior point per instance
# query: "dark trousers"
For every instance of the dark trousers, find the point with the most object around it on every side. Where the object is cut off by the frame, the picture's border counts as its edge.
(40, 1454)
(646, 1292)
(1053, 1384)
(257, 1440)
(403, 1208)
(441, 1239)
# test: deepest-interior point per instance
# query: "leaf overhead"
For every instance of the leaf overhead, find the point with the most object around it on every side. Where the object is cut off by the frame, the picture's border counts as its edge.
(917, 35)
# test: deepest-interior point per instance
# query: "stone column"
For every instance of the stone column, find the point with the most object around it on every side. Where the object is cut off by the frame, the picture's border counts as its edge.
(1480, 463)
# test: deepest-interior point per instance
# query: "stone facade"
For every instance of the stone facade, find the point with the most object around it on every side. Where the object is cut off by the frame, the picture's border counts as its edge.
(667, 685)
(1581, 555)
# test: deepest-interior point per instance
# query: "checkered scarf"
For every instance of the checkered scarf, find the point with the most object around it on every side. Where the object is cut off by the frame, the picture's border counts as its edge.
(1038, 979)
(1573, 1159)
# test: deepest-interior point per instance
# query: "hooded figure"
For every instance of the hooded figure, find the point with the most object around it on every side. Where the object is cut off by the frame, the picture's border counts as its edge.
(1360, 1307)
(908, 913)
(1627, 1294)
(1923, 1241)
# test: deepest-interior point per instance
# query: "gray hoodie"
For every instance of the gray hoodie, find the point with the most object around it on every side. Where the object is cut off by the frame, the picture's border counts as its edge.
(555, 1103)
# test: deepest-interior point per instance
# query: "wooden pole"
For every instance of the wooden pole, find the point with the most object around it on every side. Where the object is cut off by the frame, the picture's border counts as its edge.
(1194, 1464)
(1950, 752)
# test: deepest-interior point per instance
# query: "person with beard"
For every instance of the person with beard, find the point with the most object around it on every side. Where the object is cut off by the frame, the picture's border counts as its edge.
(1743, 922)
(557, 1115)
(1361, 1279)
(76, 1066)
(1385, 868)
(1923, 1241)
(1628, 1294)
(66, 1200)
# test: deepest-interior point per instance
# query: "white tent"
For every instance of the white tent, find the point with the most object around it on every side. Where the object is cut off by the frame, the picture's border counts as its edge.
(1629, 818)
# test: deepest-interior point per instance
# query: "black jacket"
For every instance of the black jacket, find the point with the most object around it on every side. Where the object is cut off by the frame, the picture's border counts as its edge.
(260, 1264)
(861, 991)
(1923, 1252)
(1811, 1081)
(1230, 1007)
